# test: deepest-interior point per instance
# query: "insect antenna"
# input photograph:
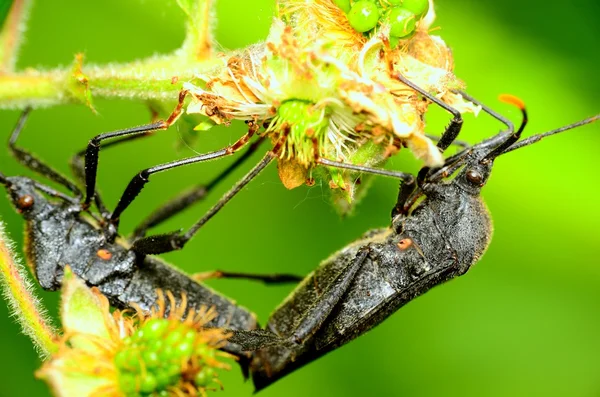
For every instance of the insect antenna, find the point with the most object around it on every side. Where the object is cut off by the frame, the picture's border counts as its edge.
(538, 137)
(30, 161)
(514, 137)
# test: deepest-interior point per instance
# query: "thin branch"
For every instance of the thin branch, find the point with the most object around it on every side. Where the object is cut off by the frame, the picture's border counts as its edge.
(154, 78)
(11, 34)
(198, 42)
(157, 78)
(24, 305)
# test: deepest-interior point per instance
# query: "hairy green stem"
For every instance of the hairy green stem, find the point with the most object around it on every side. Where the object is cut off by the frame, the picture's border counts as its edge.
(198, 39)
(11, 34)
(157, 78)
(154, 78)
(24, 305)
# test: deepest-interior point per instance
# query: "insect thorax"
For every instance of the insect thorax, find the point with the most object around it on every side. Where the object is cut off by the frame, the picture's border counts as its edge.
(462, 219)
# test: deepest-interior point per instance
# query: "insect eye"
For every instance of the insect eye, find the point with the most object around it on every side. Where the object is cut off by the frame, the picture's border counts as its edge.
(25, 202)
(474, 177)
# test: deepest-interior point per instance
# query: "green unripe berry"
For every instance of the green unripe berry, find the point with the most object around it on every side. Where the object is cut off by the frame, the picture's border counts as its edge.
(162, 379)
(402, 22)
(127, 383)
(343, 4)
(190, 336)
(173, 370)
(174, 337)
(184, 349)
(394, 42)
(121, 359)
(204, 352)
(137, 335)
(363, 16)
(132, 362)
(148, 383)
(394, 2)
(204, 377)
(155, 328)
(167, 353)
(418, 7)
(156, 345)
(151, 359)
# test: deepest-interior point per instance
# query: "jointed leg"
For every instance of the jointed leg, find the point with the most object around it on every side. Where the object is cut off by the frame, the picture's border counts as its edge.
(94, 145)
(275, 278)
(174, 241)
(406, 177)
(312, 319)
(456, 123)
(79, 170)
(407, 185)
(456, 142)
(33, 163)
(317, 314)
(451, 131)
(183, 201)
(138, 182)
(427, 175)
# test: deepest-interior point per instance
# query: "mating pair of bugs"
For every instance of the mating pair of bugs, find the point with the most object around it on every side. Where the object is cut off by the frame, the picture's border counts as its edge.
(439, 229)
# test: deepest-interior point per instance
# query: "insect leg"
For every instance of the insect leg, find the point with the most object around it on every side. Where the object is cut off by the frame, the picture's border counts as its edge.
(316, 315)
(138, 182)
(407, 186)
(313, 318)
(404, 176)
(93, 149)
(456, 123)
(456, 142)
(170, 242)
(454, 162)
(78, 167)
(33, 163)
(94, 145)
(274, 278)
(187, 199)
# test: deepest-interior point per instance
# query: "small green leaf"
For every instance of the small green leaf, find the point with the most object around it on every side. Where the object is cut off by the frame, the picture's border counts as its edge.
(65, 382)
(205, 125)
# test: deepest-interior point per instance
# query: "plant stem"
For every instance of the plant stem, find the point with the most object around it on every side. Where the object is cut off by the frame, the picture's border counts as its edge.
(158, 78)
(154, 78)
(198, 39)
(12, 33)
(24, 305)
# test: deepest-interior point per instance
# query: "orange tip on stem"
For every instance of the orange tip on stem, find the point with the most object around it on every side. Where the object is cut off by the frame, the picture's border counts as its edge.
(513, 100)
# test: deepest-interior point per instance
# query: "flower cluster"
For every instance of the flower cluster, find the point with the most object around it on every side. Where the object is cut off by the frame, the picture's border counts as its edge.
(327, 89)
(120, 355)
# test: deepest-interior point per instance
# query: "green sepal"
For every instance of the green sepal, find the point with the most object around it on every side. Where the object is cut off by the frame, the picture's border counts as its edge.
(78, 84)
(82, 312)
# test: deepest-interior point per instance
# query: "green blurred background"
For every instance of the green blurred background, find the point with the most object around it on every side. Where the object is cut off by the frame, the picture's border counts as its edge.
(525, 321)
